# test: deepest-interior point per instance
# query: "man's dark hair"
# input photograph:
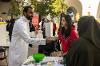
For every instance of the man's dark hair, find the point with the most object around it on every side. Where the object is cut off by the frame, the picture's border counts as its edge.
(26, 8)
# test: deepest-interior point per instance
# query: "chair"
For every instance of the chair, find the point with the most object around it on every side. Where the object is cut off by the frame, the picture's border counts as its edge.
(3, 53)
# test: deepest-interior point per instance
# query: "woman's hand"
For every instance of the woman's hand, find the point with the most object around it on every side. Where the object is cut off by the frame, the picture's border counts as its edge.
(63, 54)
(57, 54)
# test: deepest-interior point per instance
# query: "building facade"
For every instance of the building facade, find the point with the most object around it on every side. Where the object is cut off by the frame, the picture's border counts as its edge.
(79, 7)
(85, 7)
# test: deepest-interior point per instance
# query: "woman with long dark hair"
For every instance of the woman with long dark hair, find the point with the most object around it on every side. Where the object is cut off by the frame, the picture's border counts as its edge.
(67, 32)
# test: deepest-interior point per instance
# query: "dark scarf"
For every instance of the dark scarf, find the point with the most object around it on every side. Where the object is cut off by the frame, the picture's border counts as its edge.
(89, 29)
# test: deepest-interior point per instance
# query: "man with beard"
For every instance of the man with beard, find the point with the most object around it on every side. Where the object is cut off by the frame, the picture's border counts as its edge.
(18, 50)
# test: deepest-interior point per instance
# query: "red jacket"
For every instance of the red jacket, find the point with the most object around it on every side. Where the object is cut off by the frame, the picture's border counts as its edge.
(65, 42)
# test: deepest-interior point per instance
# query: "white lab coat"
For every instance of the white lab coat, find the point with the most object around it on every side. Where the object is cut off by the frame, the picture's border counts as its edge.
(18, 50)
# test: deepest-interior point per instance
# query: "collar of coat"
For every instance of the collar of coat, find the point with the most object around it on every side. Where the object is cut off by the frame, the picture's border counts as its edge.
(24, 18)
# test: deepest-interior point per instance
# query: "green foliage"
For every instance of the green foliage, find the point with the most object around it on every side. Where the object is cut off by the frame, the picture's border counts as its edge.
(54, 7)
(41, 7)
(14, 10)
(58, 6)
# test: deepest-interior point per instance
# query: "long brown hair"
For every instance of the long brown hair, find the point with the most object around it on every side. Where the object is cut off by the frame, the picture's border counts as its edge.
(65, 32)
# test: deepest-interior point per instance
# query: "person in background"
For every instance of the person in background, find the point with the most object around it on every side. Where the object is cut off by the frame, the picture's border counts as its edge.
(38, 32)
(50, 44)
(67, 33)
(85, 51)
(43, 28)
(18, 49)
(9, 27)
(54, 27)
(32, 28)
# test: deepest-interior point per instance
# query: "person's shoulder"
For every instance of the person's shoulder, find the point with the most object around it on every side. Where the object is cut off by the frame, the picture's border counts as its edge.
(76, 42)
(79, 42)
(73, 27)
(19, 21)
(74, 32)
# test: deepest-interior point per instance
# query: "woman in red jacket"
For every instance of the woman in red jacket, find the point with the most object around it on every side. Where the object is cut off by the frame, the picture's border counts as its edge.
(66, 33)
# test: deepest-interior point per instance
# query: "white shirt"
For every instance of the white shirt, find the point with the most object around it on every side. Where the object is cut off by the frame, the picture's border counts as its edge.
(18, 50)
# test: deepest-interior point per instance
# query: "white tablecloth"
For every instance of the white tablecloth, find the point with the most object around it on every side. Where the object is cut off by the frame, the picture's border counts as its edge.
(46, 59)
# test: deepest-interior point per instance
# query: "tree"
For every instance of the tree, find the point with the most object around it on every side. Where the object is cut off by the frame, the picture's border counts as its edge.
(58, 6)
(54, 7)
(14, 10)
(41, 7)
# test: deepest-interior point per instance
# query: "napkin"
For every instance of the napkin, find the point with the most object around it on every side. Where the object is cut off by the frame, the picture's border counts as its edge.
(28, 61)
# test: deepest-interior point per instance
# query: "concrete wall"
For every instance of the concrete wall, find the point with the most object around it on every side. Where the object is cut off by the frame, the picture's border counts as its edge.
(4, 7)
